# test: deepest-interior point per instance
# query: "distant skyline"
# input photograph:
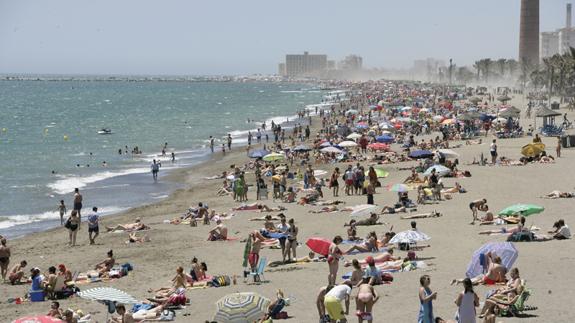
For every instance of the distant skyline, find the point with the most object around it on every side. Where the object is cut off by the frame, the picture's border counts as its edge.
(246, 37)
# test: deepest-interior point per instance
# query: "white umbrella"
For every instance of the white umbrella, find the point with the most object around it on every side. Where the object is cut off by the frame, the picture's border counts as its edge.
(331, 150)
(440, 170)
(354, 135)
(409, 236)
(351, 112)
(347, 144)
(108, 294)
(448, 153)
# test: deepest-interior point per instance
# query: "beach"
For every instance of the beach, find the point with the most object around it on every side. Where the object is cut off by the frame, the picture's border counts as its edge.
(545, 266)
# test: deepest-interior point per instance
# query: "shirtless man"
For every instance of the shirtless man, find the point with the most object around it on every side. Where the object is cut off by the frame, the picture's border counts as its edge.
(78, 204)
(136, 226)
(125, 317)
(219, 232)
(319, 301)
(254, 256)
(372, 220)
(4, 258)
(17, 272)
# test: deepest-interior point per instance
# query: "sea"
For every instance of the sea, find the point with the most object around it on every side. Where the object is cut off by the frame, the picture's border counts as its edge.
(49, 140)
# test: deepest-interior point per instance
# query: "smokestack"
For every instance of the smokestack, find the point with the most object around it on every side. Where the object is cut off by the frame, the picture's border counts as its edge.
(568, 22)
(529, 32)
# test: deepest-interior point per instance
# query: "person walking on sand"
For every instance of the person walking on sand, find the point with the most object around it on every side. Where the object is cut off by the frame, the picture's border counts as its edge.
(426, 297)
(62, 210)
(333, 182)
(466, 302)
(73, 224)
(558, 148)
(212, 143)
(493, 151)
(78, 204)
(93, 225)
(155, 169)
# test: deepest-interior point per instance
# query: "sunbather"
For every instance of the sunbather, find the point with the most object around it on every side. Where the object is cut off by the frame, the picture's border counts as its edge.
(558, 194)
(392, 209)
(136, 226)
(133, 237)
(504, 230)
(379, 258)
(513, 288)
(560, 230)
(198, 271)
(352, 231)
(495, 273)
(179, 281)
(219, 232)
(372, 220)
(325, 209)
(106, 265)
(329, 202)
(258, 206)
(369, 244)
(433, 214)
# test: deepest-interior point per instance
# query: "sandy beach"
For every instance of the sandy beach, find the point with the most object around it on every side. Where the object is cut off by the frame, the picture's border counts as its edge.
(545, 266)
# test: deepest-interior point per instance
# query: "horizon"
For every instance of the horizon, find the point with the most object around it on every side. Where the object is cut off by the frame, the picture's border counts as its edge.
(66, 37)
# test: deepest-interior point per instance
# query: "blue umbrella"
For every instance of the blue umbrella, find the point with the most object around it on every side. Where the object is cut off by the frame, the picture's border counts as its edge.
(505, 250)
(260, 153)
(417, 154)
(385, 139)
(301, 148)
(362, 126)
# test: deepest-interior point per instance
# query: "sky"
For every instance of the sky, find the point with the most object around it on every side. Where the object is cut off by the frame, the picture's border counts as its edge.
(215, 37)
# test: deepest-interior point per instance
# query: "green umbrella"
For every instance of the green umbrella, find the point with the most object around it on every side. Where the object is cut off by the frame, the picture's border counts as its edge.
(274, 157)
(522, 209)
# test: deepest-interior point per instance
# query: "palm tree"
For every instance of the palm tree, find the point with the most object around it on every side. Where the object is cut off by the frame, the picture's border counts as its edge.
(501, 63)
(512, 66)
(487, 62)
(478, 67)
(549, 72)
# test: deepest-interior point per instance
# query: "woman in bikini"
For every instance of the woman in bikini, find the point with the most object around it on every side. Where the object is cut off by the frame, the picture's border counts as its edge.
(507, 293)
(334, 254)
(4, 258)
(179, 281)
(291, 241)
(333, 182)
(364, 301)
(106, 265)
(369, 245)
(74, 224)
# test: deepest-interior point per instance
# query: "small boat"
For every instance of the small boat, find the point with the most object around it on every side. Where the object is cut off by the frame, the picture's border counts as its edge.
(105, 131)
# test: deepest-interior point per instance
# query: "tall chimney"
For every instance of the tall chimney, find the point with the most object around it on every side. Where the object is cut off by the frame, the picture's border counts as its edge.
(529, 33)
(568, 22)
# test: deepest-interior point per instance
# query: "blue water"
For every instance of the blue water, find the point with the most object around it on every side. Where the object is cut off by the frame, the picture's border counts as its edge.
(50, 126)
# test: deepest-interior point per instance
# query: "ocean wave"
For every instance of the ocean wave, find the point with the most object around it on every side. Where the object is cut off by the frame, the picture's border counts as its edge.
(68, 183)
(7, 221)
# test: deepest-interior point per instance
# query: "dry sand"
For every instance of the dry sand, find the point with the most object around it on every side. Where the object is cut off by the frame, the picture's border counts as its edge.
(546, 266)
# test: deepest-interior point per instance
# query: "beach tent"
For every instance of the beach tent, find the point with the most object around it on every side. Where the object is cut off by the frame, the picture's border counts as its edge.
(331, 150)
(241, 308)
(522, 209)
(505, 250)
(409, 236)
(274, 157)
(417, 154)
(532, 149)
(259, 153)
(440, 170)
(347, 144)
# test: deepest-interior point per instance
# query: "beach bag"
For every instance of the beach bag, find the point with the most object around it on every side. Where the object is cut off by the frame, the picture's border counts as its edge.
(167, 315)
(68, 224)
(220, 281)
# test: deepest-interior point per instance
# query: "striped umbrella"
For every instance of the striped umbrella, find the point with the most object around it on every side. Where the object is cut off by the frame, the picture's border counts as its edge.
(241, 308)
(399, 188)
(108, 294)
(38, 319)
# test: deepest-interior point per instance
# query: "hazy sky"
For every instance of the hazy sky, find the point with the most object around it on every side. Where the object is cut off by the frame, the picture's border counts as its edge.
(245, 36)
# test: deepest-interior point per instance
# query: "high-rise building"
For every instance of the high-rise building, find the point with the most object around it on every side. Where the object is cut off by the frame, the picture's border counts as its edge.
(351, 62)
(559, 41)
(305, 65)
(282, 69)
(529, 32)
(549, 44)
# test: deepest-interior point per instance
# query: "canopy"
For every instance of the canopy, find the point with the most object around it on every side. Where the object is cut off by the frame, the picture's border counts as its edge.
(274, 157)
(505, 250)
(440, 170)
(417, 154)
(532, 149)
(331, 150)
(544, 112)
(522, 209)
(346, 144)
(38, 319)
(380, 172)
(259, 153)
(354, 135)
(107, 294)
(409, 236)
(241, 308)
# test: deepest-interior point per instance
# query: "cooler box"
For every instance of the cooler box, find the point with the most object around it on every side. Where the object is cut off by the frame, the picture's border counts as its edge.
(37, 296)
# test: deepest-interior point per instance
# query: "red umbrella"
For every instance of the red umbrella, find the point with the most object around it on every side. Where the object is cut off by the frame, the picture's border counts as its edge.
(38, 319)
(319, 245)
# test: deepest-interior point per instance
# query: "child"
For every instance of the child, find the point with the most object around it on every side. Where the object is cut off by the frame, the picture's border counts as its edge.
(62, 210)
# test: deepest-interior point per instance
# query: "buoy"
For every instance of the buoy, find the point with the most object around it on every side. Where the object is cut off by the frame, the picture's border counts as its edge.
(66, 137)
(4, 129)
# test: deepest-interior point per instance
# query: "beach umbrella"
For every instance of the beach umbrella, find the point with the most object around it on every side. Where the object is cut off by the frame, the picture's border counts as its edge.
(354, 135)
(409, 236)
(400, 188)
(350, 112)
(474, 99)
(346, 144)
(319, 245)
(385, 125)
(331, 150)
(108, 294)
(532, 149)
(509, 114)
(440, 170)
(448, 153)
(362, 126)
(501, 120)
(244, 307)
(301, 148)
(38, 319)
(503, 98)
(522, 209)
(378, 146)
(505, 250)
(274, 157)
(259, 153)
(325, 144)
(380, 172)
(417, 154)
(365, 209)
(385, 139)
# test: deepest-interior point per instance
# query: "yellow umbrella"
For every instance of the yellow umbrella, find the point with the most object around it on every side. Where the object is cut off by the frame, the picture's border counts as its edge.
(533, 149)
(274, 157)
